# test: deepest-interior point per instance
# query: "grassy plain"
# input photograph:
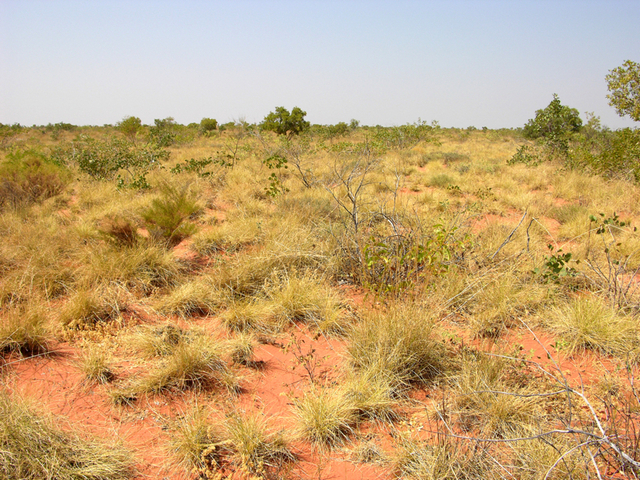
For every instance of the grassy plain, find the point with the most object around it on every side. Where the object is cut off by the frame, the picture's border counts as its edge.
(422, 311)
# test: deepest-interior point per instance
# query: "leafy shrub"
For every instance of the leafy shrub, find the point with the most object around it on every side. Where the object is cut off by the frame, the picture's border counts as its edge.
(554, 125)
(525, 154)
(208, 125)
(129, 127)
(197, 166)
(28, 177)
(104, 160)
(624, 84)
(284, 123)
(167, 218)
(7, 132)
(406, 136)
(163, 132)
(68, 127)
(616, 155)
(396, 263)
(556, 266)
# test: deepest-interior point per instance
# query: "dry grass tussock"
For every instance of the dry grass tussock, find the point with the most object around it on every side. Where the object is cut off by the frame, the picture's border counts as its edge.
(188, 360)
(286, 299)
(495, 398)
(24, 330)
(586, 322)
(399, 344)
(35, 447)
(240, 442)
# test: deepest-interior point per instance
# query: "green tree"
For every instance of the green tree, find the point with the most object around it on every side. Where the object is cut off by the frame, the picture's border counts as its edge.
(208, 125)
(129, 127)
(284, 123)
(623, 84)
(163, 133)
(554, 125)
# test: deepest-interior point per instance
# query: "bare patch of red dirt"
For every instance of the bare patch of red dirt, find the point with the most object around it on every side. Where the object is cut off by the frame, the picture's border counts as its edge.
(278, 375)
(56, 383)
(481, 222)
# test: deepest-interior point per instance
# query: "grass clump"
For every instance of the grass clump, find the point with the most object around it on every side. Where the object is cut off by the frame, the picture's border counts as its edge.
(399, 346)
(230, 237)
(501, 301)
(257, 451)
(325, 417)
(492, 396)
(34, 448)
(120, 231)
(197, 444)
(441, 180)
(195, 297)
(586, 322)
(419, 460)
(242, 348)
(87, 308)
(144, 267)
(551, 458)
(372, 395)
(238, 443)
(306, 299)
(192, 364)
(94, 363)
(24, 330)
(286, 299)
(159, 341)
(255, 314)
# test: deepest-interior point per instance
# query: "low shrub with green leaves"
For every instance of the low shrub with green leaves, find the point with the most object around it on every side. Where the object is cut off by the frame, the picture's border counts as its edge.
(112, 158)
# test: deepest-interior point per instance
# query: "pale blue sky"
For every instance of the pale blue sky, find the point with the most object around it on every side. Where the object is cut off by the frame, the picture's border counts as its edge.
(462, 63)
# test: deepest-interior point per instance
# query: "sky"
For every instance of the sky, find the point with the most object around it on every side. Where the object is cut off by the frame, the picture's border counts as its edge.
(388, 62)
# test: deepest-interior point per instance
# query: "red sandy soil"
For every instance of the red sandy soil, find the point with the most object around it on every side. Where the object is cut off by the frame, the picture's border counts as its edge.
(269, 388)
(54, 381)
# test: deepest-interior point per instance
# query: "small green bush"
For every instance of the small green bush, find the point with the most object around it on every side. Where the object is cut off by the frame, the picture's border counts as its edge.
(208, 125)
(129, 127)
(167, 218)
(554, 126)
(106, 160)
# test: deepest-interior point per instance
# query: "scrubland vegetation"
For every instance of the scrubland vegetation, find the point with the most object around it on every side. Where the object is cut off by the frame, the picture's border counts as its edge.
(478, 290)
